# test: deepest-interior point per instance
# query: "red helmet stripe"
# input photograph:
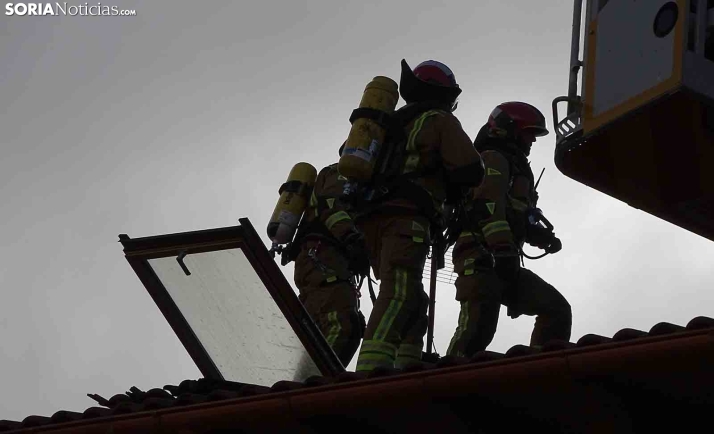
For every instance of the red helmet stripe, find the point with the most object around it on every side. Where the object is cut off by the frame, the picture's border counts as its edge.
(431, 70)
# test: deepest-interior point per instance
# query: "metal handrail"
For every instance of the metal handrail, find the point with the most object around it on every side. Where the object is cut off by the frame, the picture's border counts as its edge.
(575, 62)
(572, 121)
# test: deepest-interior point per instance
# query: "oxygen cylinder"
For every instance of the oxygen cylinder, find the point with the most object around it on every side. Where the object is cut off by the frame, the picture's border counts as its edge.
(366, 135)
(294, 197)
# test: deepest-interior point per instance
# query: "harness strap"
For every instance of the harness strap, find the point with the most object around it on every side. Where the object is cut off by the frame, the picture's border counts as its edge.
(371, 290)
(384, 120)
(297, 187)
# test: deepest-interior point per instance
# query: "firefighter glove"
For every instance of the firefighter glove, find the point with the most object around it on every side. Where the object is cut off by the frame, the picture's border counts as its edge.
(554, 246)
(538, 236)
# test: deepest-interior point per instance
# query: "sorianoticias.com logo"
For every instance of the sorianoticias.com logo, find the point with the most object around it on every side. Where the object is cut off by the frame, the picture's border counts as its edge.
(57, 8)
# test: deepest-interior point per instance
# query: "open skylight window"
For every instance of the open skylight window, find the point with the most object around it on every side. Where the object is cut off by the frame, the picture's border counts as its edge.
(230, 305)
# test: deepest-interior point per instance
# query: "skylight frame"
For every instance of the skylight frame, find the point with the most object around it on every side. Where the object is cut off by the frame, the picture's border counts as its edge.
(139, 251)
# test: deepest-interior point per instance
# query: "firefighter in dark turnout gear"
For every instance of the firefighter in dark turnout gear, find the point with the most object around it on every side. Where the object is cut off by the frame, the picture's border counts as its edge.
(486, 256)
(329, 264)
(438, 163)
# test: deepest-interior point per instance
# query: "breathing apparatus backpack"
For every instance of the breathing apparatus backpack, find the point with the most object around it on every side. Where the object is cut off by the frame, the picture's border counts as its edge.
(294, 196)
(375, 151)
(371, 123)
(289, 237)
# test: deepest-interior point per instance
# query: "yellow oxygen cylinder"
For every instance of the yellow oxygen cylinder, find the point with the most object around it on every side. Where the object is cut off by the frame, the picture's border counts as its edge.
(294, 197)
(366, 135)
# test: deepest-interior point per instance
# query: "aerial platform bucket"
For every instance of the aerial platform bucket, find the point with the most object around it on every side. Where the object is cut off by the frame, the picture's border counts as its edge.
(642, 128)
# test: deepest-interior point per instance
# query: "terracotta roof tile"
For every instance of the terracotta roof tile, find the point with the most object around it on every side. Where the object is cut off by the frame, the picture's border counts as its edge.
(253, 389)
(190, 399)
(628, 334)
(95, 412)
(220, 395)
(700, 322)
(557, 345)
(318, 380)
(486, 356)
(665, 328)
(592, 339)
(383, 372)
(66, 416)
(33, 421)
(158, 403)
(448, 361)
(521, 350)
(282, 386)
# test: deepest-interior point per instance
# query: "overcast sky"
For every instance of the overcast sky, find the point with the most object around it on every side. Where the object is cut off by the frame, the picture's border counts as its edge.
(188, 117)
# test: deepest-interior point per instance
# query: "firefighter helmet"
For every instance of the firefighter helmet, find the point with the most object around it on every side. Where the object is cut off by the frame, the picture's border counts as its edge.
(513, 119)
(429, 81)
(435, 72)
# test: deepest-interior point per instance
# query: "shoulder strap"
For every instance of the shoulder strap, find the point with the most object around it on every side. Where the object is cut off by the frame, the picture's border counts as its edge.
(404, 158)
(410, 161)
(297, 187)
(389, 179)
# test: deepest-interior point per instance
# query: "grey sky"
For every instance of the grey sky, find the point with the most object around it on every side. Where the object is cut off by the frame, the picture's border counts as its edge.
(189, 116)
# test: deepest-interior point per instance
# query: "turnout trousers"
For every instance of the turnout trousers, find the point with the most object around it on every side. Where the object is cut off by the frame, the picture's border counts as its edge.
(398, 246)
(329, 297)
(481, 294)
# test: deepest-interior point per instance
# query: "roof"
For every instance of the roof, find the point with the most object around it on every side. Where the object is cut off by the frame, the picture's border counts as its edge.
(635, 381)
